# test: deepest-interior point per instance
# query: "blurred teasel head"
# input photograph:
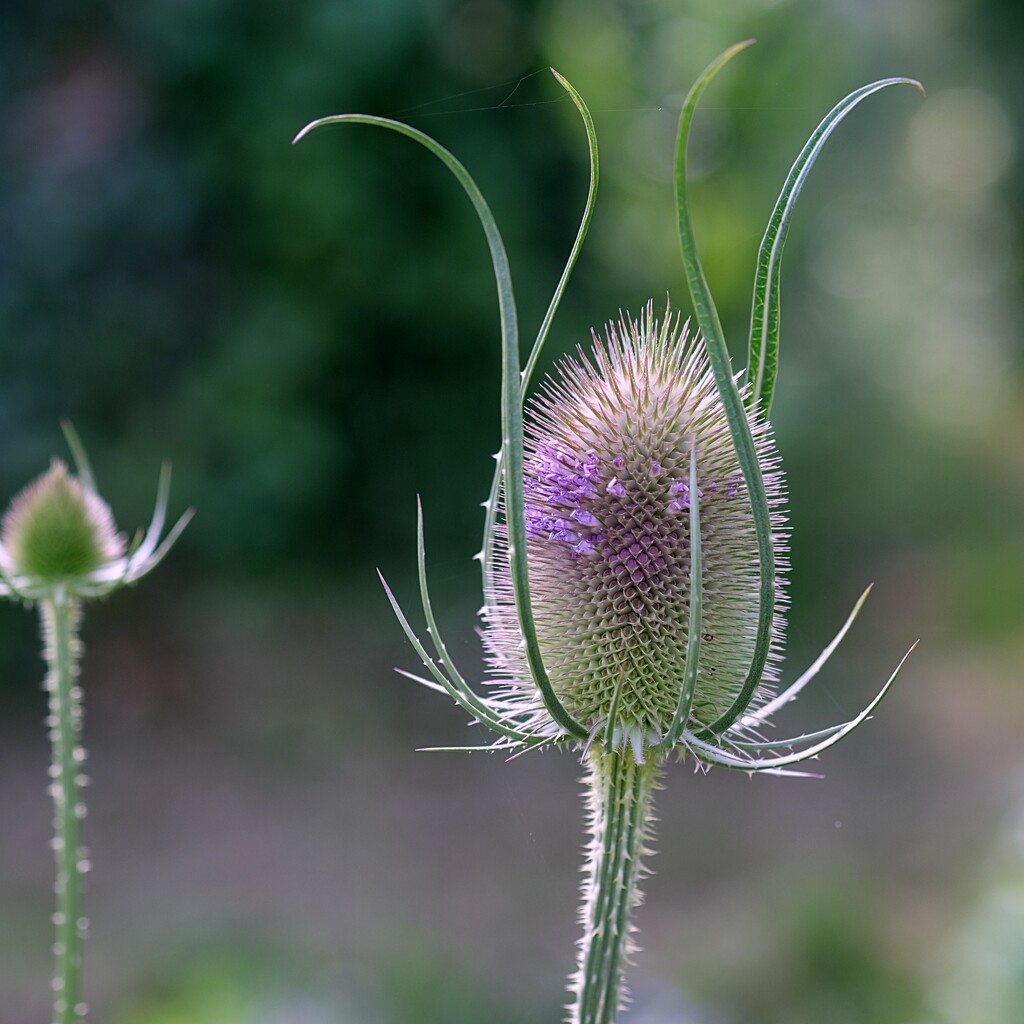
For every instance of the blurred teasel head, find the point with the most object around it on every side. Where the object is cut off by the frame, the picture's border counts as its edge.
(56, 529)
(58, 534)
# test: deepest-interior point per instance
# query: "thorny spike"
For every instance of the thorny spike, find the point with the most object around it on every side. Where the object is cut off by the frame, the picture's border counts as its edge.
(790, 693)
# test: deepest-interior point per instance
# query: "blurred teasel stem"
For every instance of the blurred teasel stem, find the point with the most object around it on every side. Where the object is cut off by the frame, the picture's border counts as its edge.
(61, 614)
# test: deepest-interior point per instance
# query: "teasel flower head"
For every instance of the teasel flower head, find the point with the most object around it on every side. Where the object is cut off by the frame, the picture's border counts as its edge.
(635, 543)
(620, 446)
(58, 533)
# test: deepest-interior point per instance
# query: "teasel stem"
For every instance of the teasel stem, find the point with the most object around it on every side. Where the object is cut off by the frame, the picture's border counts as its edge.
(61, 614)
(619, 793)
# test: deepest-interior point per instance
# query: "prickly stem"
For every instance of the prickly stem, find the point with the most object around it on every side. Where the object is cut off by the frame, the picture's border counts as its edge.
(619, 795)
(60, 618)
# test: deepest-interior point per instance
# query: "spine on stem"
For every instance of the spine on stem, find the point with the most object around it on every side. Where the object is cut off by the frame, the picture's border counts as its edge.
(61, 614)
(619, 793)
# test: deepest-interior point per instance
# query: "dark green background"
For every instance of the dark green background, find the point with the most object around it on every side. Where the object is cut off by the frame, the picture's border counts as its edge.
(309, 333)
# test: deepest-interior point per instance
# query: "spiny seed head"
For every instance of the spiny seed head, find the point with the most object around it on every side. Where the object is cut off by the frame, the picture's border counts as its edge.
(607, 503)
(57, 530)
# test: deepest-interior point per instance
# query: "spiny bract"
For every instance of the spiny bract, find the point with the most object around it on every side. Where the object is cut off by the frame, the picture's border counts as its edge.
(607, 471)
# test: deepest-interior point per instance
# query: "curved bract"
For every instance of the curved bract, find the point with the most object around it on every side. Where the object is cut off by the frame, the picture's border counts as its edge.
(714, 339)
(491, 505)
(763, 348)
(511, 401)
(539, 709)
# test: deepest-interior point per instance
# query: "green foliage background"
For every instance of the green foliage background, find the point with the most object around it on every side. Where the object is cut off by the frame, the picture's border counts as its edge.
(309, 333)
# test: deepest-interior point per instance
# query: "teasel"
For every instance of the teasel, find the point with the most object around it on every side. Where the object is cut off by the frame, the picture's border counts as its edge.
(59, 547)
(634, 554)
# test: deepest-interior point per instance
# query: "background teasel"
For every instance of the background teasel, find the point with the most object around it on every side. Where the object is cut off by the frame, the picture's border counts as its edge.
(59, 547)
(636, 467)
